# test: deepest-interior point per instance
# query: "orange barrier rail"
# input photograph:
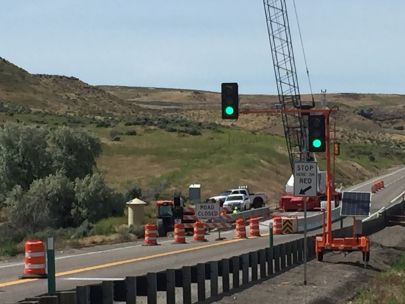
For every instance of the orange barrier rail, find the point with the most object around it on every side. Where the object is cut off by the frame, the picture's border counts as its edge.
(34, 261)
(179, 234)
(151, 235)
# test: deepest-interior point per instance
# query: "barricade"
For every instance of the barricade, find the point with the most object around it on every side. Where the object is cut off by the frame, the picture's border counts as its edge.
(199, 232)
(179, 234)
(288, 225)
(240, 230)
(254, 230)
(150, 235)
(34, 261)
(277, 225)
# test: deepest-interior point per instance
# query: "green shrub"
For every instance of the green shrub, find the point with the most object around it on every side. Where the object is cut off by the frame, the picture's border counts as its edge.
(107, 226)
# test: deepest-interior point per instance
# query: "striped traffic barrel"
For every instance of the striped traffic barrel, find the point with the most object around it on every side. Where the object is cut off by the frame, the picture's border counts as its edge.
(240, 229)
(277, 225)
(179, 234)
(34, 261)
(151, 234)
(254, 230)
(199, 232)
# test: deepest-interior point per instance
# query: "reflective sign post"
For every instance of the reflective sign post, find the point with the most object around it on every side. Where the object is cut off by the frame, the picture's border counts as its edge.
(50, 257)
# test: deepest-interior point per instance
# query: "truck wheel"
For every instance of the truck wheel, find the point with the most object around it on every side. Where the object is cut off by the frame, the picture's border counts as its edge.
(258, 202)
(161, 228)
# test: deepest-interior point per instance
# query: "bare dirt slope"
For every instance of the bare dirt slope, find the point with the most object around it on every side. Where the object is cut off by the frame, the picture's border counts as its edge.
(336, 280)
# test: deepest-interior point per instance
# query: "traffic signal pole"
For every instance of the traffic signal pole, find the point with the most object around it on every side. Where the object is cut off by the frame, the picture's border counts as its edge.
(329, 185)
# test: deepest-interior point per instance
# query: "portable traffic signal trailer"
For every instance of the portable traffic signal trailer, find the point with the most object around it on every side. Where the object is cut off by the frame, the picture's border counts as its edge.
(325, 242)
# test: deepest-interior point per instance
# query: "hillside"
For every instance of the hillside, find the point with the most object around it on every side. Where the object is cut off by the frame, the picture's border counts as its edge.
(165, 139)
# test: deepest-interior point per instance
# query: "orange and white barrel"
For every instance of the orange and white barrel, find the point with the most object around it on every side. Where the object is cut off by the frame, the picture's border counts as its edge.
(254, 230)
(179, 234)
(199, 232)
(34, 261)
(240, 229)
(277, 225)
(151, 235)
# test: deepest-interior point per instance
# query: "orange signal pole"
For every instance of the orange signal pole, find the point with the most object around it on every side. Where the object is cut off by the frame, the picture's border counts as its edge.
(329, 186)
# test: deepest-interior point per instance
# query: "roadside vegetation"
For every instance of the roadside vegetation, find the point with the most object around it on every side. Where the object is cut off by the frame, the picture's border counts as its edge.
(388, 287)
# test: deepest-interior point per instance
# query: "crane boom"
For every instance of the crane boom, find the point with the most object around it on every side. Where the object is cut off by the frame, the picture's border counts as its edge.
(295, 127)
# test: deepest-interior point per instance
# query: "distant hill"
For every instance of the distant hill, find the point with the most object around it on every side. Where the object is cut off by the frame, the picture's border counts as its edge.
(57, 94)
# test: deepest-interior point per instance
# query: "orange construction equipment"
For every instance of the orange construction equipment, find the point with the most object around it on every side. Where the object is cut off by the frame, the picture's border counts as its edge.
(151, 235)
(254, 230)
(240, 230)
(34, 262)
(326, 242)
(277, 225)
(199, 232)
(179, 234)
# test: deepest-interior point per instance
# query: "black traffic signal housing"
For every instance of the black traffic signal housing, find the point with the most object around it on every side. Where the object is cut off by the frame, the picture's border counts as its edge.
(230, 100)
(316, 133)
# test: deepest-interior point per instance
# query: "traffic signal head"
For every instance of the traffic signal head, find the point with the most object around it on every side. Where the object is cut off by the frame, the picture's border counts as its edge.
(230, 100)
(316, 133)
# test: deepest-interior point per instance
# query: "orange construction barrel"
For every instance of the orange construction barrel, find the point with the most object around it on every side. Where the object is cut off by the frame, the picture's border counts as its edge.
(151, 235)
(179, 234)
(199, 232)
(34, 261)
(240, 229)
(254, 230)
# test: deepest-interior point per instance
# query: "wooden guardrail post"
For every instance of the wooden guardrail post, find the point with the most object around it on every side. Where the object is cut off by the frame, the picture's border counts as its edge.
(295, 252)
(201, 282)
(82, 294)
(245, 269)
(282, 256)
(214, 278)
(186, 272)
(108, 292)
(288, 249)
(300, 250)
(276, 258)
(152, 287)
(225, 274)
(170, 286)
(270, 259)
(253, 257)
(235, 272)
(130, 283)
(262, 262)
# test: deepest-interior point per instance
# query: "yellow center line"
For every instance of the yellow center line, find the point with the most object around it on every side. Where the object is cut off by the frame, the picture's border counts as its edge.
(122, 262)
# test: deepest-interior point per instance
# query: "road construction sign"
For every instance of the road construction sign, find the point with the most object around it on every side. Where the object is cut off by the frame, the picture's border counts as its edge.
(305, 178)
(207, 210)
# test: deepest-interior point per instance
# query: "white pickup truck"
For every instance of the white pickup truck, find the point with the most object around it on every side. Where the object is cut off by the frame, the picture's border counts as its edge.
(257, 200)
(239, 201)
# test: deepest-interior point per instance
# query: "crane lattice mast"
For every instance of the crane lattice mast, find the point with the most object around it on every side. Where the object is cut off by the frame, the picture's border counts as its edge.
(295, 127)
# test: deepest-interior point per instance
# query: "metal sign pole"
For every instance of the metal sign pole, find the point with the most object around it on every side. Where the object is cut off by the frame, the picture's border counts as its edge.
(305, 241)
(50, 257)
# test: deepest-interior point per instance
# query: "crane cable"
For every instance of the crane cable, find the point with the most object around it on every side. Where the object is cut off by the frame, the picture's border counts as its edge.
(303, 52)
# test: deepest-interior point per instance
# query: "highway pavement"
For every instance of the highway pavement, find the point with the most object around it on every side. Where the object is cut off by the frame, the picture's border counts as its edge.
(113, 262)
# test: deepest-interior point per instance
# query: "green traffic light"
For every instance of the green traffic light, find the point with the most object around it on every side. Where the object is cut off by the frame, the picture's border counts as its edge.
(229, 110)
(316, 143)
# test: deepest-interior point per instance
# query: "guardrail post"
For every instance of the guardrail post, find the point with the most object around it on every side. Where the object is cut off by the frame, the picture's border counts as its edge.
(276, 258)
(282, 256)
(130, 283)
(245, 269)
(262, 262)
(295, 252)
(152, 287)
(186, 271)
(82, 294)
(225, 275)
(253, 256)
(270, 258)
(108, 292)
(235, 272)
(214, 278)
(170, 286)
(50, 259)
(288, 250)
(201, 282)
(300, 250)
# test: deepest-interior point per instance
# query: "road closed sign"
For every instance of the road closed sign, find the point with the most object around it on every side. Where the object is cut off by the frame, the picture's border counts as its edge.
(305, 178)
(207, 210)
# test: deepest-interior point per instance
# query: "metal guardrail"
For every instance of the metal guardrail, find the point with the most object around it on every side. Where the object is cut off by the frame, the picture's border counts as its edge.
(398, 200)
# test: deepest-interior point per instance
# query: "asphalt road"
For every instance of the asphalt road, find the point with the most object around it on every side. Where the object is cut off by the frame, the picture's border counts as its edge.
(108, 262)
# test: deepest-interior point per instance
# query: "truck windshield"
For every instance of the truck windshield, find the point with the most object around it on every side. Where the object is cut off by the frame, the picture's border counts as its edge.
(165, 210)
(234, 198)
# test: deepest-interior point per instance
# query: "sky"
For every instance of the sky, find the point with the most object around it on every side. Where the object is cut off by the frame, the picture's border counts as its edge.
(351, 45)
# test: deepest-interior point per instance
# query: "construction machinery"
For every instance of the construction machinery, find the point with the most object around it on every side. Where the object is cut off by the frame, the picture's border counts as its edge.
(295, 116)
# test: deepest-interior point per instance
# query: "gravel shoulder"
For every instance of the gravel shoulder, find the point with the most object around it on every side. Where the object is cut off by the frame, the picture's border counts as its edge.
(335, 280)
